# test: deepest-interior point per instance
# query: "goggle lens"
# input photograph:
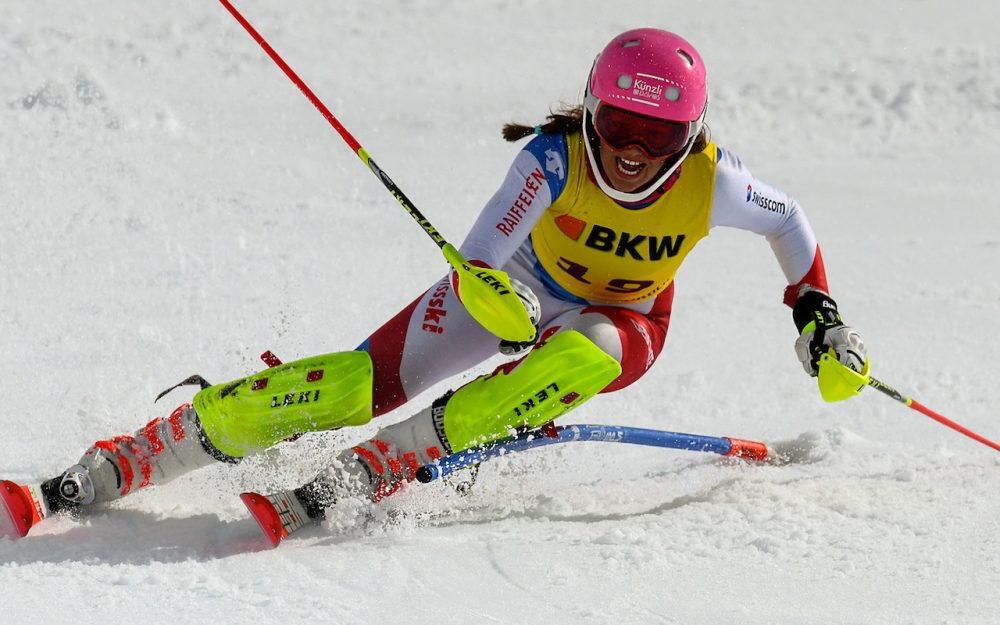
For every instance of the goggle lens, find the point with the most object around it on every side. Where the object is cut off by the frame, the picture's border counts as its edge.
(658, 138)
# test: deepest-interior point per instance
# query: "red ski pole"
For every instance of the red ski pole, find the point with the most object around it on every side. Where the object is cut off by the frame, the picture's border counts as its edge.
(893, 393)
(486, 293)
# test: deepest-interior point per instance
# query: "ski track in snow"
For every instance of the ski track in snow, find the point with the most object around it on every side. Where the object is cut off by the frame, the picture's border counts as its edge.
(172, 205)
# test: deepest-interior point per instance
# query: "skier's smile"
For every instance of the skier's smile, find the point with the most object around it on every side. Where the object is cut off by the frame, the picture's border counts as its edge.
(629, 169)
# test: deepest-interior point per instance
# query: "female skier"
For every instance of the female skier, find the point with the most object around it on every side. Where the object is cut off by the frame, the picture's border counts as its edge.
(594, 218)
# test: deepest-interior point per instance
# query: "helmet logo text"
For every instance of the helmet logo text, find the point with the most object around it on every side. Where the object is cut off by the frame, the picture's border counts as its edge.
(647, 90)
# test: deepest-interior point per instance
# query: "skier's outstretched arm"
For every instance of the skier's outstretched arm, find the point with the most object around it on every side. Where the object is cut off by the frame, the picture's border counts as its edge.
(741, 200)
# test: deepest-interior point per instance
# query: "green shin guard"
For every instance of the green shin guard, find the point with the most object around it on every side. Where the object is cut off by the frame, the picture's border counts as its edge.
(554, 378)
(308, 395)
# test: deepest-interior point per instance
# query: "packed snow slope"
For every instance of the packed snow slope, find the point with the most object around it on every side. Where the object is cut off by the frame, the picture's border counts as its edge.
(171, 204)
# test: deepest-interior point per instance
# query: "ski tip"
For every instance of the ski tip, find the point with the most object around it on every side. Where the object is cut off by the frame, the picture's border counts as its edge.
(266, 516)
(16, 511)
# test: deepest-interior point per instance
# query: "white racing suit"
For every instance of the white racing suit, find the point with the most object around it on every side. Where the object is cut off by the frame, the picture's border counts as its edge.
(599, 267)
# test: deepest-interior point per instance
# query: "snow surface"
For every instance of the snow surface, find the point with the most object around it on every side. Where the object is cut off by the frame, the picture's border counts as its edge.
(171, 205)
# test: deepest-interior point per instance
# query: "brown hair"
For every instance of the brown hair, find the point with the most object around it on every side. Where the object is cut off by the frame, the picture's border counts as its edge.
(569, 119)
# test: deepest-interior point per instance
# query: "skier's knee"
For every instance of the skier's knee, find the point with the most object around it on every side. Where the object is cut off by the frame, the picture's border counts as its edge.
(601, 331)
(557, 376)
(631, 338)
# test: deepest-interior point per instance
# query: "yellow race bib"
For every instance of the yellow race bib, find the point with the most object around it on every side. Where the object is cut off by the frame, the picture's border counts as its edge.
(601, 251)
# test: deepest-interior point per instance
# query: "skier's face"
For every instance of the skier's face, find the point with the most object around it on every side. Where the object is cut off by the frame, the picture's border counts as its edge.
(628, 170)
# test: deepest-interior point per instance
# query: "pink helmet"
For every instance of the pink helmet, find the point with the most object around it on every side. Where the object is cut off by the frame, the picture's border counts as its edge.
(655, 74)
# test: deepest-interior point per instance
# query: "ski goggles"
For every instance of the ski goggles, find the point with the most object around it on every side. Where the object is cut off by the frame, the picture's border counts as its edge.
(657, 138)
